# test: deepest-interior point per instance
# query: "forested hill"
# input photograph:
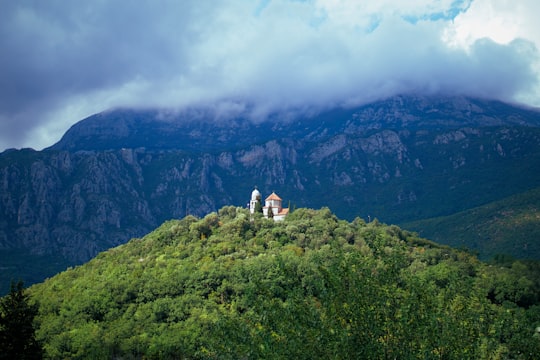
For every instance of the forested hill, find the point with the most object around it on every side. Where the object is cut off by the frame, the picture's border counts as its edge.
(312, 286)
(510, 226)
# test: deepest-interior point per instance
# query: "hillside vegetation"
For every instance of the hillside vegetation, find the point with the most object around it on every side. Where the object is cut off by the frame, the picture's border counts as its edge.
(312, 286)
(507, 227)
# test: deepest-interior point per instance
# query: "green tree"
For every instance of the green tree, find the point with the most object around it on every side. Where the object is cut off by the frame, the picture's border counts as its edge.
(258, 206)
(270, 213)
(17, 335)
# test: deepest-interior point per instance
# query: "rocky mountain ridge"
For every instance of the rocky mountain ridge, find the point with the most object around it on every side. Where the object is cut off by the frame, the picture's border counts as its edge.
(206, 130)
(399, 160)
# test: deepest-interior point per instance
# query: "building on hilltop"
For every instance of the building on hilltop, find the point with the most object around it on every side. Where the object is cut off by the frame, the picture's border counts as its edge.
(272, 209)
(255, 202)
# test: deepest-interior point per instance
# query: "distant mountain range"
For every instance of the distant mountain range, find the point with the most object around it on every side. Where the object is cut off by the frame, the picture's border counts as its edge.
(119, 174)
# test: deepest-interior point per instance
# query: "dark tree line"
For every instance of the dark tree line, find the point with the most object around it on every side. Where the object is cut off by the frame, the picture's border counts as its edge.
(17, 335)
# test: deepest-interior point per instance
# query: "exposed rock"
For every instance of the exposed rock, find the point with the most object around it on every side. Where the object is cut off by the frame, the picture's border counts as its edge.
(385, 142)
(331, 147)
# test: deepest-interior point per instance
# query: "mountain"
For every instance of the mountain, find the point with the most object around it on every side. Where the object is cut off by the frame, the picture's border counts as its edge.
(118, 174)
(206, 131)
(232, 286)
(508, 226)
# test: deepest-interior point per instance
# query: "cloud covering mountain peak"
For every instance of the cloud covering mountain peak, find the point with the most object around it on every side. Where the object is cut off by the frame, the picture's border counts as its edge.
(66, 61)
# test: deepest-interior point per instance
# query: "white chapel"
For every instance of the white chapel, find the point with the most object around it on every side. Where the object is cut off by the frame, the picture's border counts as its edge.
(272, 208)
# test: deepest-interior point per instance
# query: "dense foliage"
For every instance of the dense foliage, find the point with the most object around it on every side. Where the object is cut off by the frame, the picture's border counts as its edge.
(313, 286)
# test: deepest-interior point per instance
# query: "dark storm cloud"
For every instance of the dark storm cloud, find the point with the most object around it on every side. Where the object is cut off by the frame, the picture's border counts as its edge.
(57, 51)
(62, 60)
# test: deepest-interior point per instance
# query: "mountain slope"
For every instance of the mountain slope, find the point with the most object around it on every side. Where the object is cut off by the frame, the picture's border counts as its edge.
(510, 226)
(312, 286)
(203, 130)
(119, 174)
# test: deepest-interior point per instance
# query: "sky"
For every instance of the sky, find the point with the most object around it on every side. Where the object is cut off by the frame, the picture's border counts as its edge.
(61, 60)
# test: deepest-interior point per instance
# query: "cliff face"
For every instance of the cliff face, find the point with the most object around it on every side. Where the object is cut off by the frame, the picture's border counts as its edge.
(399, 160)
(72, 204)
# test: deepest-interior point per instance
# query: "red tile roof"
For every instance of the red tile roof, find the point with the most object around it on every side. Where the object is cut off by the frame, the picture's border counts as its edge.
(283, 212)
(273, 196)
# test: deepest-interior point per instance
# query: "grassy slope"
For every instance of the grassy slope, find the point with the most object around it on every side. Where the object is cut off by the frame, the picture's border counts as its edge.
(509, 226)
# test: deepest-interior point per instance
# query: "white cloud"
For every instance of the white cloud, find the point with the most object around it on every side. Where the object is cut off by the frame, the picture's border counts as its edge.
(67, 60)
(500, 20)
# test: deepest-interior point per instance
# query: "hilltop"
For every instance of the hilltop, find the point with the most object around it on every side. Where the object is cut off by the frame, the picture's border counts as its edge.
(312, 286)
